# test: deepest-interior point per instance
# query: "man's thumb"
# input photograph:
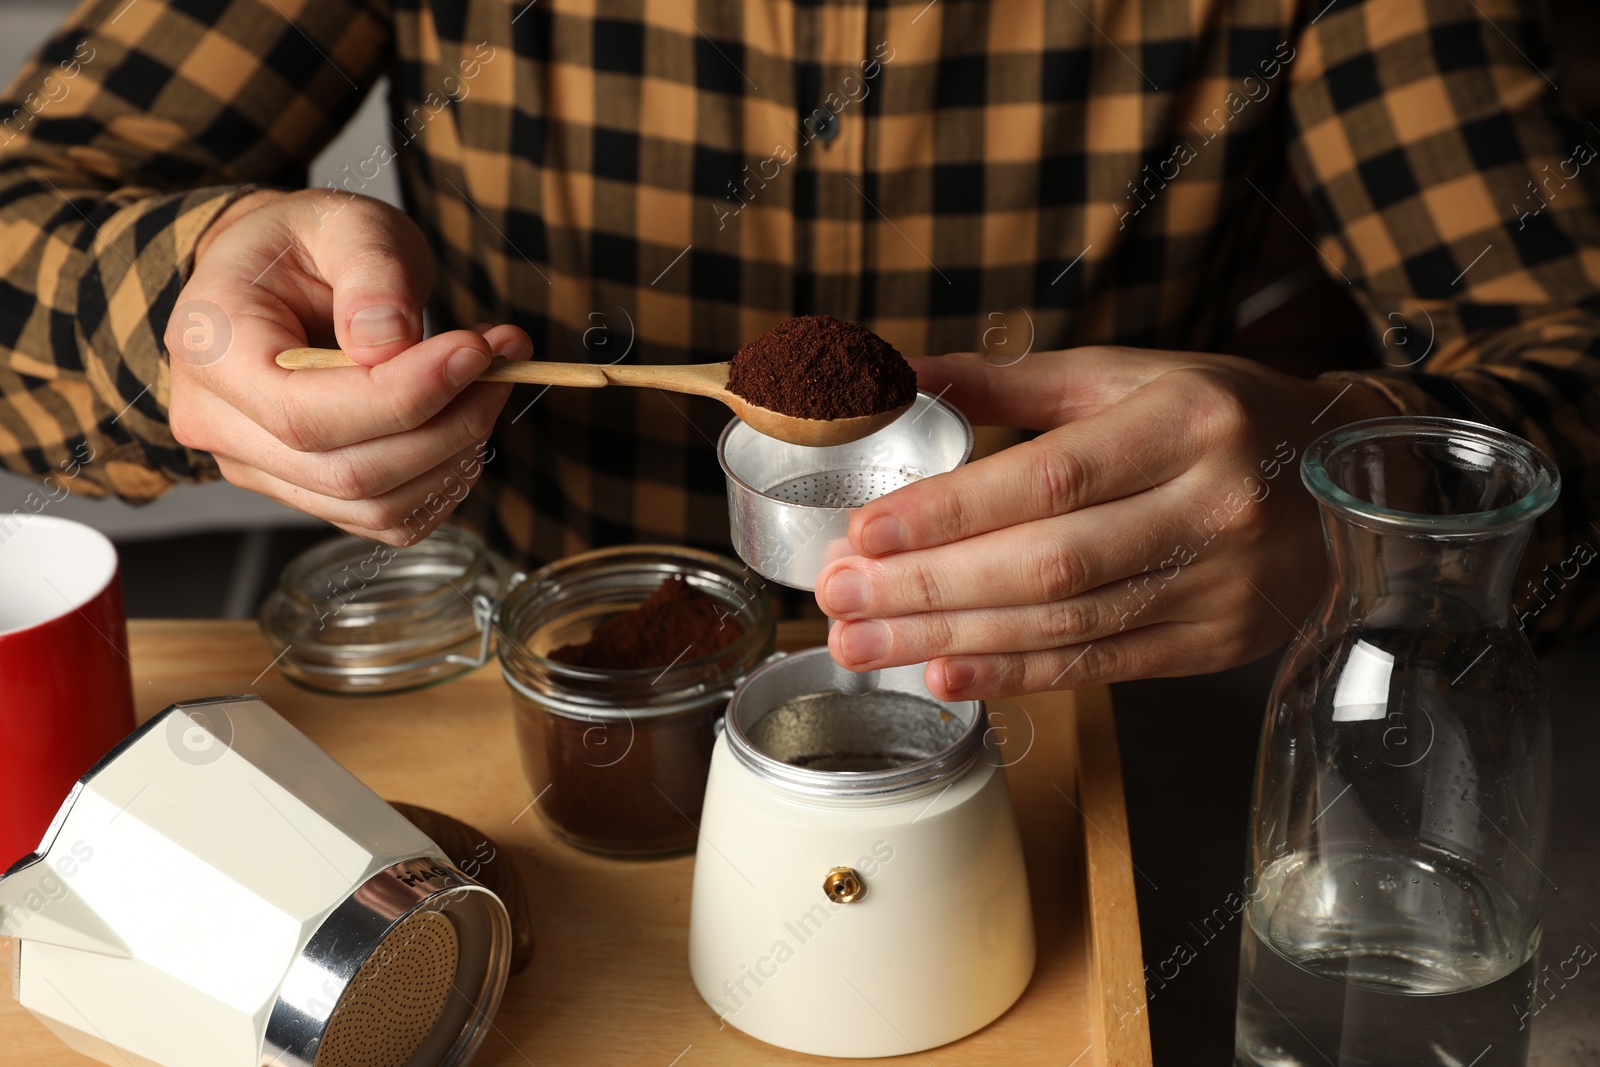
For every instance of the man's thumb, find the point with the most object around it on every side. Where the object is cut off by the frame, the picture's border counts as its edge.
(377, 263)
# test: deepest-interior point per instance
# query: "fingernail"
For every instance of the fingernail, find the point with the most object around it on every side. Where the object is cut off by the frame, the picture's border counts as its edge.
(863, 642)
(378, 326)
(883, 534)
(845, 592)
(958, 674)
(465, 364)
(515, 350)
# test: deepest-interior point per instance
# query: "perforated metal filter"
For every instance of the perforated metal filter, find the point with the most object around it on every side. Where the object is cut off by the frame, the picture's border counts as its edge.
(396, 998)
(842, 488)
(789, 506)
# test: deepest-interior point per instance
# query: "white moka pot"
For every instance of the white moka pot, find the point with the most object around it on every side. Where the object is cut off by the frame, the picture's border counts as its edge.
(218, 892)
(846, 912)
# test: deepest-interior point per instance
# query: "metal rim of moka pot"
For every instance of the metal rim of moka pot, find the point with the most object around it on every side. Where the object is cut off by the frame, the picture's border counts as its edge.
(324, 977)
(608, 579)
(813, 671)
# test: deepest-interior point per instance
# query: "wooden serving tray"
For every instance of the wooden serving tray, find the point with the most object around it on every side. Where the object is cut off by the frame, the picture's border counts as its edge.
(610, 978)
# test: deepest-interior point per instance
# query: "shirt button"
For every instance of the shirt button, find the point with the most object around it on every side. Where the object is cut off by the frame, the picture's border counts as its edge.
(824, 125)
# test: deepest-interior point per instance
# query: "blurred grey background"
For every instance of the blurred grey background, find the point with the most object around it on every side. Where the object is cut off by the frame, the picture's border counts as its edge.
(1188, 745)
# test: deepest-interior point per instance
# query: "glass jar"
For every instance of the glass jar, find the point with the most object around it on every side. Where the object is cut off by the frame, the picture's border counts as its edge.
(357, 616)
(1395, 894)
(617, 759)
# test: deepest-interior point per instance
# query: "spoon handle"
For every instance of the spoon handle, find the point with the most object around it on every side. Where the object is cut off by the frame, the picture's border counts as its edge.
(582, 375)
(700, 379)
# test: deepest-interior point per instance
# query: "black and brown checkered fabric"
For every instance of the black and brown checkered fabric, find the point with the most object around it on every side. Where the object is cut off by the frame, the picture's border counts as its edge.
(661, 180)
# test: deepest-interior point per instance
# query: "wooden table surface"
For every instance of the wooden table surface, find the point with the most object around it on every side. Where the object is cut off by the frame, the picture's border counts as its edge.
(610, 978)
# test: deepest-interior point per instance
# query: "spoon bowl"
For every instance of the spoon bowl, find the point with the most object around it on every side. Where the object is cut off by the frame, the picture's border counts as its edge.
(809, 433)
(700, 379)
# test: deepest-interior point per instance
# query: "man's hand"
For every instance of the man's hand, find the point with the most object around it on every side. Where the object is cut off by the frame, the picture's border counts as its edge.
(385, 450)
(1156, 527)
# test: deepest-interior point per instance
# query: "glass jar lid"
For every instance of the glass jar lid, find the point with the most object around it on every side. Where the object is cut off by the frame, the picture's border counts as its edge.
(357, 616)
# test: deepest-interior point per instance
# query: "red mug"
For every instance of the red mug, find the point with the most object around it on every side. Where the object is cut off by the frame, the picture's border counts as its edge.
(65, 695)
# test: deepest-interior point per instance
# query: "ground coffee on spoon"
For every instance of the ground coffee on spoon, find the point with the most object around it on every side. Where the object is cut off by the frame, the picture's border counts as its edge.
(820, 367)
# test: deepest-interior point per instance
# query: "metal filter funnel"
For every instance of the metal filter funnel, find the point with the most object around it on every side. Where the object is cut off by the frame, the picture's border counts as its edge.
(789, 506)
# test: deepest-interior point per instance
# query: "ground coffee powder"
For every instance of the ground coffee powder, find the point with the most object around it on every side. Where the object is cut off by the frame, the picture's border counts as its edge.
(676, 624)
(620, 785)
(820, 367)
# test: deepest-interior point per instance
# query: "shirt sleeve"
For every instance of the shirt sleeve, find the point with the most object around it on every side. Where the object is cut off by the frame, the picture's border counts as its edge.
(120, 141)
(1458, 201)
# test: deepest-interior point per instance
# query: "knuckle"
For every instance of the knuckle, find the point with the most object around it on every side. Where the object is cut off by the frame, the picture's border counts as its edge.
(186, 428)
(1244, 508)
(934, 635)
(324, 197)
(1066, 668)
(1219, 408)
(342, 479)
(1132, 658)
(363, 207)
(955, 518)
(1070, 620)
(379, 261)
(291, 424)
(1056, 574)
(449, 506)
(1234, 645)
(232, 473)
(1059, 480)
(380, 514)
(1251, 523)
(329, 204)
(407, 411)
(409, 408)
(1112, 660)
(925, 586)
(1042, 672)
(388, 537)
(413, 518)
(1005, 674)
(1101, 662)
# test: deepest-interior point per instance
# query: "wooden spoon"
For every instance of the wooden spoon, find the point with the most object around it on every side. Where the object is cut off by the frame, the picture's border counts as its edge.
(703, 379)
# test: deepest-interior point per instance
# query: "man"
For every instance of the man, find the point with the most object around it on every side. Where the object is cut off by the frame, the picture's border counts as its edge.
(683, 176)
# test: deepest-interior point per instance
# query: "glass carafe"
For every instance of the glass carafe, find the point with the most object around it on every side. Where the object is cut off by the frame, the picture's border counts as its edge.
(1395, 892)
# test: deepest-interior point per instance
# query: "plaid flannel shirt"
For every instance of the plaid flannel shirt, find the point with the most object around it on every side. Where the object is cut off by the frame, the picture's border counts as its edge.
(665, 179)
